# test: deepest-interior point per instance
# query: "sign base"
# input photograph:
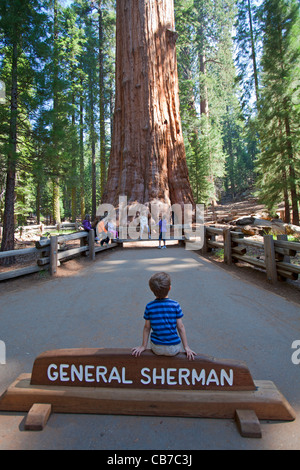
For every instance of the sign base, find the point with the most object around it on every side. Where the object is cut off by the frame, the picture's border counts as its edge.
(266, 401)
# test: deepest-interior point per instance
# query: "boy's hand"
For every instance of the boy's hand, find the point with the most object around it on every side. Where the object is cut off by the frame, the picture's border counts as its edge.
(190, 354)
(138, 350)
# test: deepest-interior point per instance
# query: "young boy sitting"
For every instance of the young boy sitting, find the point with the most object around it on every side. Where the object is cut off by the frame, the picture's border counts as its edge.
(164, 317)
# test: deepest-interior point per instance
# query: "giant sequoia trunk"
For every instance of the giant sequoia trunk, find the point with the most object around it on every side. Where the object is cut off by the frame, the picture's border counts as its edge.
(147, 161)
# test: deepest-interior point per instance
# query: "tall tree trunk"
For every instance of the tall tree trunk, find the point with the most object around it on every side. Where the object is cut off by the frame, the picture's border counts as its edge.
(93, 148)
(193, 134)
(101, 102)
(74, 165)
(253, 49)
(56, 189)
(292, 173)
(204, 110)
(38, 202)
(56, 201)
(231, 170)
(147, 161)
(287, 216)
(294, 195)
(82, 200)
(8, 237)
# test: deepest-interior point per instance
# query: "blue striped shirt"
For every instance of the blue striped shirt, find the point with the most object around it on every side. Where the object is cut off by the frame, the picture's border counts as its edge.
(163, 314)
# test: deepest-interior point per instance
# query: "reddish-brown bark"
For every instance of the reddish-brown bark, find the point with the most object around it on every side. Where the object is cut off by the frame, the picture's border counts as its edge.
(147, 161)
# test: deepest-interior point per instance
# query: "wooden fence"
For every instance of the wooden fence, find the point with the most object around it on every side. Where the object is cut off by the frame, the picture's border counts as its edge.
(51, 251)
(275, 258)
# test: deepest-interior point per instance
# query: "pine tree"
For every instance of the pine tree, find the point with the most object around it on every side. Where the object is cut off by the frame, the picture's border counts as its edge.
(187, 71)
(96, 19)
(20, 25)
(82, 9)
(72, 45)
(248, 43)
(60, 88)
(206, 72)
(279, 162)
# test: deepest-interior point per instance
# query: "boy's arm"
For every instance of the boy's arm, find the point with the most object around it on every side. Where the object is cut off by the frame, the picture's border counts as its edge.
(181, 330)
(146, 332)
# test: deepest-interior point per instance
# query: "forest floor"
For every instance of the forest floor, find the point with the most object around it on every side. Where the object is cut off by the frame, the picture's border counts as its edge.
(249, 206)
(239, 208)
(244, 207)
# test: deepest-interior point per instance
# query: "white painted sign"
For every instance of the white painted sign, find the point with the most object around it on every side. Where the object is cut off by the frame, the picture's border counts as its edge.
(2, 93)
(2, 353)
(156, 376)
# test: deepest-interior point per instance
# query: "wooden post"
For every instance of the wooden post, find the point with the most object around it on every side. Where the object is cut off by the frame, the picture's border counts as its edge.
(210, 237)
(227, 246)
(83, 242)
(284, 258)
(270, 258)
(37, 417)
(248, 423)
(92, 244)
(204, 246)
(53, 255)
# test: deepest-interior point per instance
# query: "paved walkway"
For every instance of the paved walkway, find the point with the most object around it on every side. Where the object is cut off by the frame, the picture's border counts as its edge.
(102, 306)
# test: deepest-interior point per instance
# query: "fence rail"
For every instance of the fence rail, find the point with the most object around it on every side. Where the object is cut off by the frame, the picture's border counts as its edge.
(276, 253)
(42, 228)
(51, 252)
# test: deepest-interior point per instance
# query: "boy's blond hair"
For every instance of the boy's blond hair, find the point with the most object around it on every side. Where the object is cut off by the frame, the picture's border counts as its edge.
(160, 284)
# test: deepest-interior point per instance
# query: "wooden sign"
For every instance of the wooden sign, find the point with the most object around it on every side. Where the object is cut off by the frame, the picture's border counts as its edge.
(112, 381)
(117, 368)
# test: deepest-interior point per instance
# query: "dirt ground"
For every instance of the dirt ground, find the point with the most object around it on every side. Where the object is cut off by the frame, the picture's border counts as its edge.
(102, 306)
(244, 207)
(250, 206)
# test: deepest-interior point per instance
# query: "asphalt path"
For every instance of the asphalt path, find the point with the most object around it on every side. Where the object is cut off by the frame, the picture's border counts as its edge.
(102, 305)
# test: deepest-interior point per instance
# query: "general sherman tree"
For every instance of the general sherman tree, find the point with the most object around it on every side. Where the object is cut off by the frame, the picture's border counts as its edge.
(147, 161)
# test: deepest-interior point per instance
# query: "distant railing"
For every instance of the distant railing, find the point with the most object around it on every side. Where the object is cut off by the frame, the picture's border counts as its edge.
(41, 228)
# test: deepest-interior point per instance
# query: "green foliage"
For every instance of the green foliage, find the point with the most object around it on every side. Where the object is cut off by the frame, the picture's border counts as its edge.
(278, 165)
(239, 74)
(58, 63)
(215, 133)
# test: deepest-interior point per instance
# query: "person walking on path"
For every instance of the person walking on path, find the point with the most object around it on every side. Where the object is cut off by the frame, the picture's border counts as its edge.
(162, 231)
